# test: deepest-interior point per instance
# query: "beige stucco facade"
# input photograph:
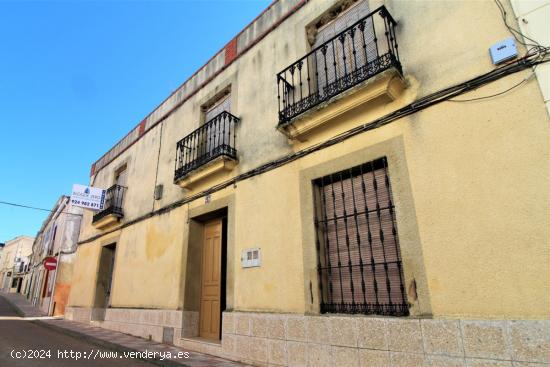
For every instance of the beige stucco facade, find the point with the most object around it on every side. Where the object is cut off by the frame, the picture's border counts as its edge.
(469, 182)
(49, 289)
(14, 261)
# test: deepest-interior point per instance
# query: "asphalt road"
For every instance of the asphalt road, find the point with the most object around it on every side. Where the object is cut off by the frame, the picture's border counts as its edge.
(18, 338)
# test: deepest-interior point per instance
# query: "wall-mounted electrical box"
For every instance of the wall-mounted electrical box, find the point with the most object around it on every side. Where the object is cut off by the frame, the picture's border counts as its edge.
(503, 51)
(251, 257)
(158, 191)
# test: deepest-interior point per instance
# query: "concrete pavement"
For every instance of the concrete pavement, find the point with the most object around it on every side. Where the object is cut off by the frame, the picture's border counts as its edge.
(60, 335)
(26, 343)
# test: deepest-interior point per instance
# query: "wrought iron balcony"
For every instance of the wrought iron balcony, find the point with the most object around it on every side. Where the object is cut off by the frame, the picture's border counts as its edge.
(113, 203)
(359, 52)
(216, 138)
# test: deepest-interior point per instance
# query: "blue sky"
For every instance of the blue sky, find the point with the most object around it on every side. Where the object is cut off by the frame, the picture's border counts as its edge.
(76, 76)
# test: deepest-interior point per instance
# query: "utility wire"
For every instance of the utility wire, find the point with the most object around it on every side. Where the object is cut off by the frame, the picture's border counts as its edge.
(533, 49)
(494, 95)
(35, 208)
(514, 31)
(528, 61)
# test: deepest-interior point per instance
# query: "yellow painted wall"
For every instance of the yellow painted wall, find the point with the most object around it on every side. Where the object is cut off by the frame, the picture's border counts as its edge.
(267, 216)
(532, 20)
(474, 200)
(147, 263)
(84, 276)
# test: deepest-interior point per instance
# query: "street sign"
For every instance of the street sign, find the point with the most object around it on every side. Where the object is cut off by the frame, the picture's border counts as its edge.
(50, 263)
(88, 197)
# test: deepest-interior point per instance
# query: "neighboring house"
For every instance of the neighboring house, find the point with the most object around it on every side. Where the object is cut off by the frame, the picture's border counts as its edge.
(57, 238)
(306, 199)
(14, 264)
(1, 250)
(532, 17)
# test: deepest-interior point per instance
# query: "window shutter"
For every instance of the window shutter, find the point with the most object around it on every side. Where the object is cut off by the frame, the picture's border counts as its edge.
(217, 133)
(121, 177)
(335, 50)
(224, 104)
(359, 258)
(343, 21)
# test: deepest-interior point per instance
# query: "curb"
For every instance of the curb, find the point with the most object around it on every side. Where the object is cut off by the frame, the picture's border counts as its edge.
(108, 344)
(94, 340)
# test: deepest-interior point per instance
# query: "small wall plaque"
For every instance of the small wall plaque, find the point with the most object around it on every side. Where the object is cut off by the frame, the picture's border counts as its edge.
(251, 257)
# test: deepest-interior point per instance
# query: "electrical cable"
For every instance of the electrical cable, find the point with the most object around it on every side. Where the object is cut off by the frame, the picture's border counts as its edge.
(494, 95)
(528, 61)
(35, 208)
(513, 30)
(531, 48)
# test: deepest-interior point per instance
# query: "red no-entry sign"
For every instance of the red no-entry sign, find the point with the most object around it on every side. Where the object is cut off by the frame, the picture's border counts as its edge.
(50, 263)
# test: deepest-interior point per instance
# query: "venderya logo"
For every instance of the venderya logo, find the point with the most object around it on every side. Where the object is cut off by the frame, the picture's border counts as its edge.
(87, 190)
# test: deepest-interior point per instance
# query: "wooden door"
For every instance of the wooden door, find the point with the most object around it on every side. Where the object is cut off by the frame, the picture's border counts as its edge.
(210, 312)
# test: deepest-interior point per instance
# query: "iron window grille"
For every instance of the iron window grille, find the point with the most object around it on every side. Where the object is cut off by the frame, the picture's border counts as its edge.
(359, 261)
(214, 139)
(349, 58)
(114, 197)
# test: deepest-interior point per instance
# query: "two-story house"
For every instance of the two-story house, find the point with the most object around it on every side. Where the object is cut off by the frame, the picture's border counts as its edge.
(344, 182)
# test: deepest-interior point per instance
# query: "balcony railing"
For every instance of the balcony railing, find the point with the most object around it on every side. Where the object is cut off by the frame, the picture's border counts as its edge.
(214, 139)
(359, 52)
(113, 203)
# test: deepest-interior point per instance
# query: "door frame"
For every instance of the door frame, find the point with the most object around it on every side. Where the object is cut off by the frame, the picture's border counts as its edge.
(98, 308)
(196, 216)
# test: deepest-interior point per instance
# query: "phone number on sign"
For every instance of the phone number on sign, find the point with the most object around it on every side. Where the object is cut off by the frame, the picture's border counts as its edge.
(88, 204)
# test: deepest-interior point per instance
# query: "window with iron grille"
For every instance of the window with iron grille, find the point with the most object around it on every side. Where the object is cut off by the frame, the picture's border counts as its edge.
(359, 261)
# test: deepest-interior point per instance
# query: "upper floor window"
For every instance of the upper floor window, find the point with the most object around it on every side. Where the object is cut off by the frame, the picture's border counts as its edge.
(336, 20)
(359, 260)
(341, 59)
(221, 104)
(121, 176)
(114, 199)
(349, 44)
(213, 141)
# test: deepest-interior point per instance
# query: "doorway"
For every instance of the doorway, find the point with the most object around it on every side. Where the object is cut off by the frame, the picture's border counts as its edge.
(104, 280)
(213, 264)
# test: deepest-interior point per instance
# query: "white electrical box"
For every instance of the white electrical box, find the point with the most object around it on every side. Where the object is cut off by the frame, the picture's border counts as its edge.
(251, 257)
(503, 51)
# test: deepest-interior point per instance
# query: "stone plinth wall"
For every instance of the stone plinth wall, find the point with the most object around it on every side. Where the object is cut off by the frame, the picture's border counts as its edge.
(80, 314)
(290, 340)
(158, 325)
(264, 339)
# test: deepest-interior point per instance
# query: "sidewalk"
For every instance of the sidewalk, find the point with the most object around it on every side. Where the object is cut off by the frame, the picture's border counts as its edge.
(115, 340)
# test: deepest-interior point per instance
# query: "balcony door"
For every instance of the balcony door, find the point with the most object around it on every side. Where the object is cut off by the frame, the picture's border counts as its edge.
(217, 133)
(121, 176)
(211, 280)
(335, 67)
(114, 200)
